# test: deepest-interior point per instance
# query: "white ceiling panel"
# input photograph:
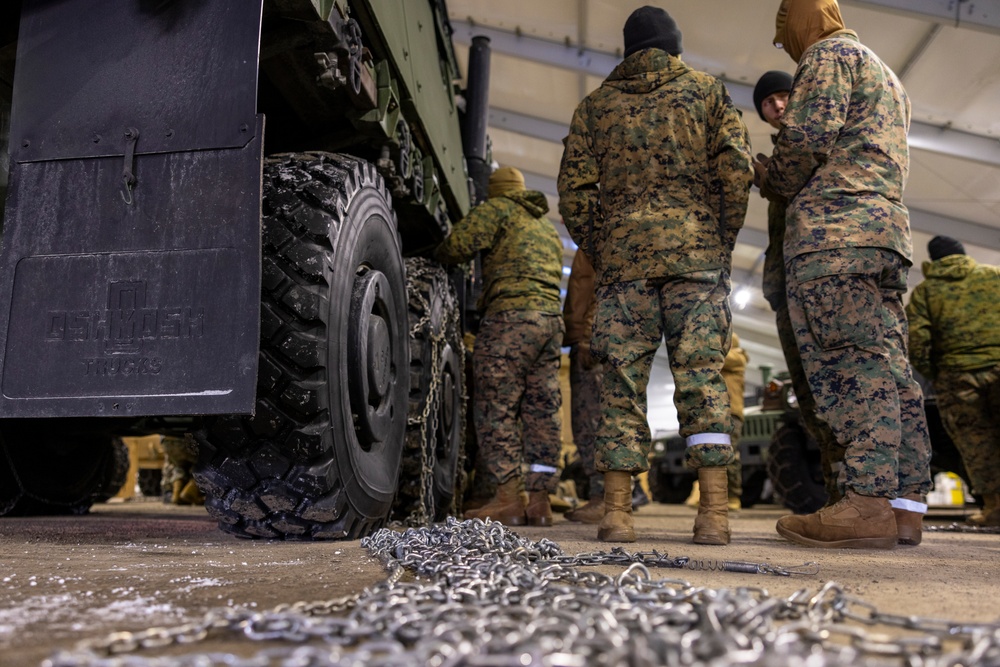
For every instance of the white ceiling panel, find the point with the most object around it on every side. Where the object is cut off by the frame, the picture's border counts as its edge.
(527, 154)
(944, 184)
(549, 19)
(515, 84)
(958, 82)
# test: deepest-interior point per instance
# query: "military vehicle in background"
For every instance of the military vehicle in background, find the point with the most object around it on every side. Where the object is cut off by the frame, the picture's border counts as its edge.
(218, 220)
(780, 459)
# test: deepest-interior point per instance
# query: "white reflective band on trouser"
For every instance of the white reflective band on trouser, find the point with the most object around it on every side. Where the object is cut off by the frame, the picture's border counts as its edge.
(708, 439)
(909, 505)
(538, 467)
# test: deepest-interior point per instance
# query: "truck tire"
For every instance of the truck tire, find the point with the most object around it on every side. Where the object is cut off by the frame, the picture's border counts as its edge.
(433, 476)
(795, 471)
(49, 470)
(320, 458)
(670, 488)
(754, 481)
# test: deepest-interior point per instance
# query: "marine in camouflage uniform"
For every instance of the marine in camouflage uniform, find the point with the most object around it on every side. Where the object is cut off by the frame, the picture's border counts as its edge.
(841, 160)
(518, 349)
(585, 371)
(180, 453)
(653, 187)
(831, 452)
(955, 343)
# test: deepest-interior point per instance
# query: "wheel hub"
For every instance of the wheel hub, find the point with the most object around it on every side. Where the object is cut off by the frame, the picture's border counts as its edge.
(370, 345)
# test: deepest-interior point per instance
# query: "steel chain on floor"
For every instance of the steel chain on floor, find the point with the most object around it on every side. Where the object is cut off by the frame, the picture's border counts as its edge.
(956, 527)
(475, 594)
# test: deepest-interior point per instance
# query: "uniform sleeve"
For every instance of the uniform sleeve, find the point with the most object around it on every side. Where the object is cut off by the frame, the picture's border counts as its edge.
(816, 112)
(730, 167)
(476, 231)
(578, 183)
(921, 336)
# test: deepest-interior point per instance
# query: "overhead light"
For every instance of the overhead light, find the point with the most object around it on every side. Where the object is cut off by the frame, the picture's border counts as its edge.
(742, 297)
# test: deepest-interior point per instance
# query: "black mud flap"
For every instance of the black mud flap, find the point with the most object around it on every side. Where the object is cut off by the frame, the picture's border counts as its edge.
(130, 260)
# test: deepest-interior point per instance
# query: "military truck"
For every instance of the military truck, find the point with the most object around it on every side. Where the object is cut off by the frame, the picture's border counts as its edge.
(779, 460)
(218, 220)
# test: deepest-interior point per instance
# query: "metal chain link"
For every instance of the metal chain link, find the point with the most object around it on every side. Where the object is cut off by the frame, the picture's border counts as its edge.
(475, 594)
(956, 527)
(425, 511)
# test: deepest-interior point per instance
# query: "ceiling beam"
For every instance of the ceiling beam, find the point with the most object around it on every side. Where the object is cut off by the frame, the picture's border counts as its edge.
(927, 222)
(983, 16)
(598, 63)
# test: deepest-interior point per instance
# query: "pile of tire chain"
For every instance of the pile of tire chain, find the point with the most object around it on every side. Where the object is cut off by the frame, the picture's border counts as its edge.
(956, 527)
(475, 594)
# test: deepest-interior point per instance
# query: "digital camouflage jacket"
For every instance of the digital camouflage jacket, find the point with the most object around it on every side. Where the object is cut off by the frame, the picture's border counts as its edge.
(841, 158)
(953, 316)
(656, 171)
(522, 253)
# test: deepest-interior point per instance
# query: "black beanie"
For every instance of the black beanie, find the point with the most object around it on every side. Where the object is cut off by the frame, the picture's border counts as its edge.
(651, 28)
(942, 246)
(770, 83)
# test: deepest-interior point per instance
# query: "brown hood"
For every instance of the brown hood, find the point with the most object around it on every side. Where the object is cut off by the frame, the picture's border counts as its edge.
(802, 23)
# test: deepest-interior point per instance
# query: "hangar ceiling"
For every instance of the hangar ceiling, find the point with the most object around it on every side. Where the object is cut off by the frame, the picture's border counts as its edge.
(546, 56)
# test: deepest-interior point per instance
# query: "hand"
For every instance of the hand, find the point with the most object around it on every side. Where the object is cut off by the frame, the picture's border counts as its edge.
(586, 359)
(760, 169)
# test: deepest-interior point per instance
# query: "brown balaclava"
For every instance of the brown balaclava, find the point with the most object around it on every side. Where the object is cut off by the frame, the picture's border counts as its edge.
(802, 23)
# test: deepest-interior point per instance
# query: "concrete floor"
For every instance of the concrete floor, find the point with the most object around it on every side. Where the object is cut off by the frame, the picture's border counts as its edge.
(141, 564)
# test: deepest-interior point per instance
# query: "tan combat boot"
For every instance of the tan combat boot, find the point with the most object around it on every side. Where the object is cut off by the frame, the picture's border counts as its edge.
(711, 526)
(990, 514)
(175, 496)
(539, 509)
(617, 524)
(909, 511)
(591, 512)
(191, 494)
(506, 506)
(855, 522)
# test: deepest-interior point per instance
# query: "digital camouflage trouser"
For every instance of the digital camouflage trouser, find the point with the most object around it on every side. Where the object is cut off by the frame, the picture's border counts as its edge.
(692, 313)
(846, 310)
(970, 410)
(831, 453)
(585, 414)
(517, 399)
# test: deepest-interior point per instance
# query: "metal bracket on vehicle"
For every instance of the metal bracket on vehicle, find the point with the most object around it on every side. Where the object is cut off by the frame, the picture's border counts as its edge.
(128, 173)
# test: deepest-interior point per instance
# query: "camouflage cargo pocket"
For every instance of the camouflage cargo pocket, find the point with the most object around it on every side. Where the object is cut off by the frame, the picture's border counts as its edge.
(842, 311)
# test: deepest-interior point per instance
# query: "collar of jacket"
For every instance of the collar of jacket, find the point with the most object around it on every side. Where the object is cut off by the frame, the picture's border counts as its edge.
(648, 60)
(840, 34)
(533, 201)
(952, 267)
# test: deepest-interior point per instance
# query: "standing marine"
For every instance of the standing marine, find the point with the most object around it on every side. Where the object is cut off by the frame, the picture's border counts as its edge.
(653, 187)
(770, 97)
(579, 309)
(841, 160)
(955, 343)
(516, 358)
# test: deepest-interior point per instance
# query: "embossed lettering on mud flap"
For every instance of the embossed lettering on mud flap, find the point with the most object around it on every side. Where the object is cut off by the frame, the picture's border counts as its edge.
(115, 324)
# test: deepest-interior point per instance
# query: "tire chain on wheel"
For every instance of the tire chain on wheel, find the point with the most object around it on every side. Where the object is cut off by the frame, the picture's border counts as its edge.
(415, 502)
(270, 475)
